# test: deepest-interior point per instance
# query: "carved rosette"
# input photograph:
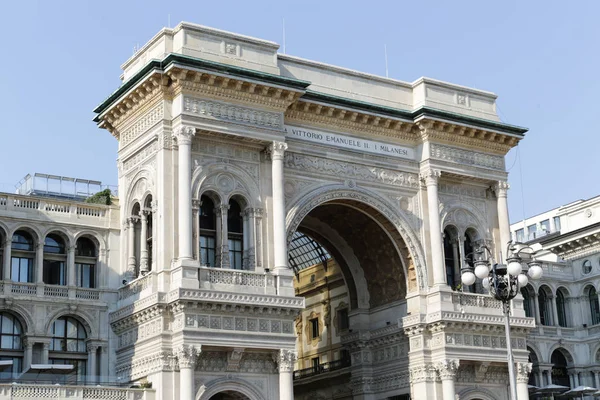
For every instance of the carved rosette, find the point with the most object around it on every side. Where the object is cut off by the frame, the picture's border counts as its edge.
(187, 356)
(276, 150)
(286, 360)
(501, 188)
(184, 135)
(523, 371)
(447, 369)
(430, 176)
(423, 373)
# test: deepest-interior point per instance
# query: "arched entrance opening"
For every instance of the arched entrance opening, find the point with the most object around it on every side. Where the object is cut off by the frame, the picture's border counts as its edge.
(229, 395)
(354, 269)
(560, 374)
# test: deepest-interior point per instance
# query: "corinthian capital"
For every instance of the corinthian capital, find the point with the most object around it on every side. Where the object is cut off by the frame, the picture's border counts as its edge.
(276, 150)
(187, 356)
(286, 360)
(183, 134)
(523, 371)
(430, 176)
(501, 188)
(447, 369)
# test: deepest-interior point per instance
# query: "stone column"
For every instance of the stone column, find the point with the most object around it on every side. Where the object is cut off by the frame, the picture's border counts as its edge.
(131, 248)
(39, 258)
(554, 310)
(7, 260)
(503, 222)
(596, 378)
(196, 211)
(536, 312)
(447, 370)
(422, 381)
(523, 371)
(154, 233)
(184, 135)
(187, 356)
(456, 257)
(92, 372)
(286, 360)
(28, 343)
(71, 279)
(45, 350)
(431, 177)
(251, 240)
(541, 378)
(277, 152)
(143, 242)
(222, 214)
(245, 245)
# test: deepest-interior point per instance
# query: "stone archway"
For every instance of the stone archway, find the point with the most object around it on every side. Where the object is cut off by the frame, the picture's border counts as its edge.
(229, 395)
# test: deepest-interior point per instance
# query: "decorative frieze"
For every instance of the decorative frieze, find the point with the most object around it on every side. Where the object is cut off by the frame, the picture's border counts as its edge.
(218, 111)
(143, 154)
(423, 373)
(466, 157)
(326, 166)
(142, 125)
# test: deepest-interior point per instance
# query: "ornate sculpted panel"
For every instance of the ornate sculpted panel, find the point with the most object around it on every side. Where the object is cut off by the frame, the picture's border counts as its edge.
(142, 125)
(466, 157)
(140, 156)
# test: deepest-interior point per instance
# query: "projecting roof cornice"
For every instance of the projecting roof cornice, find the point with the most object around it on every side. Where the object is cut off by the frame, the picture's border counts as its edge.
(574, 244)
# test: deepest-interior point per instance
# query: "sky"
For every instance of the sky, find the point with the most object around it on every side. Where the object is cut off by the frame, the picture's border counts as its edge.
(62, 58)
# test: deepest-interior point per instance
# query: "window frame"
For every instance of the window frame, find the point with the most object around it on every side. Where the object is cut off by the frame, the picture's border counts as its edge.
(314, 328)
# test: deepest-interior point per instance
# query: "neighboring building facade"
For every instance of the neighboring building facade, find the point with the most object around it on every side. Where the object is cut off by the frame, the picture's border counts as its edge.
(229, 154)
(565, 345)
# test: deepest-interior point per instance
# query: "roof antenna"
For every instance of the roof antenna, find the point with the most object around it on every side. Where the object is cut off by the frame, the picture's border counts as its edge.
(386, 61)
(283, 35)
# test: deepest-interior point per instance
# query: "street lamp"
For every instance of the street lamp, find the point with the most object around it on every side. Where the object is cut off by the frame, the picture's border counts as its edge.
(503, 281)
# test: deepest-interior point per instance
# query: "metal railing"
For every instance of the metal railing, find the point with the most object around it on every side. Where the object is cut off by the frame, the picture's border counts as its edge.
(322, 368)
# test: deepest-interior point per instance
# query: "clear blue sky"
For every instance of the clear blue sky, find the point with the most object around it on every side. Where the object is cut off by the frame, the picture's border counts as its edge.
(62, 58)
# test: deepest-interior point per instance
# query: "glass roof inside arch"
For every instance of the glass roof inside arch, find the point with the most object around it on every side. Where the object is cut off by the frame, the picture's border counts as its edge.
(304, 252)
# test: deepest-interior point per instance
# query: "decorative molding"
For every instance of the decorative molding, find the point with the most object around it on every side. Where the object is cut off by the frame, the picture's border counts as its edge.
(140, 156)
(523, 371)
(187, 356)
(326, 166)
(430, 176)
(142, 125)
(232, 113)
(276, 150)
(447, 369)
(423, 373)
(184, 134)
(466, 157)
(286, 359)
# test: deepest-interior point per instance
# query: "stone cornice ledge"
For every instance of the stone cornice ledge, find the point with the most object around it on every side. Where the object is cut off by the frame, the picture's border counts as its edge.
(236, 298)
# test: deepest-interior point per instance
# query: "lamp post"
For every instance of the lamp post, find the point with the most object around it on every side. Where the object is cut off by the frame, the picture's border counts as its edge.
(503, 281)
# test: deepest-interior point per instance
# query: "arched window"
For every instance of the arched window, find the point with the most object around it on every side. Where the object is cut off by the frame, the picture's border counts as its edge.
(22, 255)
(235, 232)
(149, 232)
(594, 307)
(586, 267)
(451, 256)
(55, 260)
(528, 302)
(544, 304)
(2, 239)
(11, 344)
(469, 257)
(560, 308)
(85, 263)
(68, 346)
(560, 375)
(533, 376)
(208, 229)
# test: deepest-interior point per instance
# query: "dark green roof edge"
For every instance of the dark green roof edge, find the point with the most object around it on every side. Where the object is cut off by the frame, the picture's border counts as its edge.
(292, 83)
(412, 115)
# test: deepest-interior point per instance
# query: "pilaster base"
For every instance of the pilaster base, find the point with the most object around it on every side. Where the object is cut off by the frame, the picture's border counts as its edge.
(184, 274)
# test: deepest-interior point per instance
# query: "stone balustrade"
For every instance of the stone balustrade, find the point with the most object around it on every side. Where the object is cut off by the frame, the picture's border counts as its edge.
(232, 280)
(10, 391)
(18, 289)
(59, 209)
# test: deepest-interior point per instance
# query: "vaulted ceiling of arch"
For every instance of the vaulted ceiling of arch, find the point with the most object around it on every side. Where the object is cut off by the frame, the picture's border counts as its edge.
(377, 255)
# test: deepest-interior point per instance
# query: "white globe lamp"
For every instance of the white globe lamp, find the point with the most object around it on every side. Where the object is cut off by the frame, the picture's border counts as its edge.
(514, 267)
(482, 271)
(468, 278)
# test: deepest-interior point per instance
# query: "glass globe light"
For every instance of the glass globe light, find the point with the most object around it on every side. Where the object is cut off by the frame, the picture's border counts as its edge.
(523, 280)
(468, 278)
(514, 267)
(486, 283)
(482, 271)
(535, 271)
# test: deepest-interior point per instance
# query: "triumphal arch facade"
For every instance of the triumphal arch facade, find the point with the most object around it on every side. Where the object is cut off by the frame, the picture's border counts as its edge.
(230, 152)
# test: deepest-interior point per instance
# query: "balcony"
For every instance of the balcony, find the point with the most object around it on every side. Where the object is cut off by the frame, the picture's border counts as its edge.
(233, 280)
(322, 369)
(9, 288)
(11, 391)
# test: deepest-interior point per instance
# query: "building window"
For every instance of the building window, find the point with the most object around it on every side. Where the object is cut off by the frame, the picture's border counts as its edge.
(85, 263)
(545, 225)
(594, 306)
(520, 235)
(586, 267)
(235, 231)
(54, 260)
(314, 325)
(527, 302)
(315, 363)
(22, 257)
(560, 309)
(343, 321)
(557, 223)
(207, 232)
(451, 256)
(531, 231)
(544, 308)
(68, 346)
(11, 345)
